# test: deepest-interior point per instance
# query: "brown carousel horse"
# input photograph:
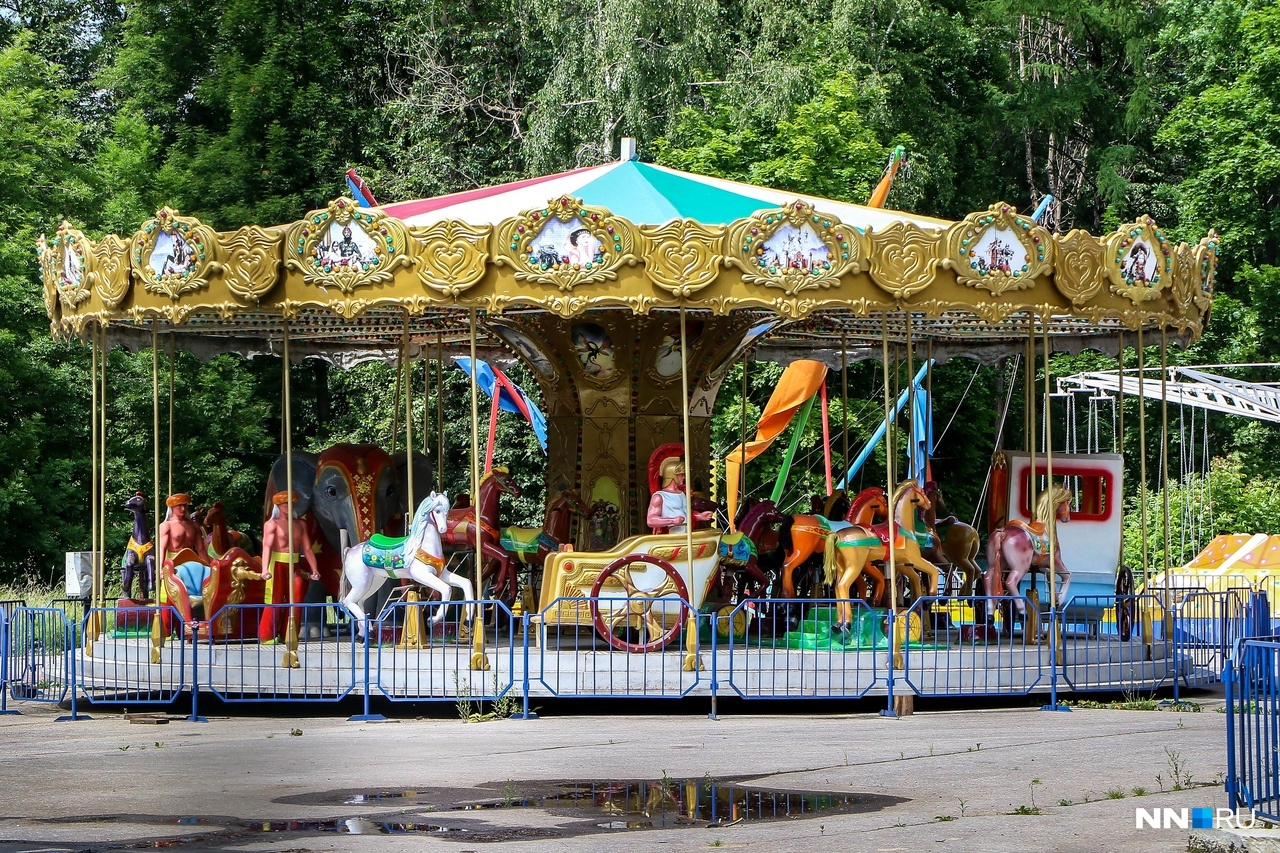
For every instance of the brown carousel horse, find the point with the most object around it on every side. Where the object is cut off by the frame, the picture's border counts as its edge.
(220, 539)
(532, 545)
(1019, 547)
(954, 541)
(462, 528)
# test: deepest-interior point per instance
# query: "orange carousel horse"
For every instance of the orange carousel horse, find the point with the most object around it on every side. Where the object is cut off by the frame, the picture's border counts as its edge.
(805, 535)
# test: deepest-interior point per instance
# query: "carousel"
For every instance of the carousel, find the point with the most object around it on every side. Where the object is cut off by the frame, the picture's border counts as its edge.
(628, 291)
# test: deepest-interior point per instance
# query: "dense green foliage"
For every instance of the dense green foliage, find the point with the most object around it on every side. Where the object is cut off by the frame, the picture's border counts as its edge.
(250, 110)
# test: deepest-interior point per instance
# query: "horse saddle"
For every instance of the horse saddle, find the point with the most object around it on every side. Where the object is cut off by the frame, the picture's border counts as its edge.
(525, 541)
(736, 549)
(385, 552)
(1035, 532)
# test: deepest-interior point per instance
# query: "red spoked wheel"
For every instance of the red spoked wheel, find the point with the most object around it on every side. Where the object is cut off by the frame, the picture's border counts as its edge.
(638, 605)
(1125, 607)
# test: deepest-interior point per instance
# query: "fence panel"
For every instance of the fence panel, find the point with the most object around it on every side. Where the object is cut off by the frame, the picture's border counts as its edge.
(322, 669)
(39, 661)
(1253, 723)
(779, 649)
(973, 646)
(618, 646)
(1206, 626)
(118, 667)
(426, 652)
(1116, 643)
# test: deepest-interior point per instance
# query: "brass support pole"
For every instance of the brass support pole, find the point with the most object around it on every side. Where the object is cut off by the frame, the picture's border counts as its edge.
(408, 423)
(1164, 474)
(96, 591)
(440, 413)
(1052, 522)
(692, 662)
(844, 404)
(1142, 455)
(896, 645)
(291, 628)
(155, 423)
(1119, 437)
(911, 400)
(479, 660)
(169, 468)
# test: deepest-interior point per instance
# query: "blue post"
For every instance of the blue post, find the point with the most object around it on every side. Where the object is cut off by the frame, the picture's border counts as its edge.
(715, 630)
(525, 713)
(72, 652)
(880, 430)
(4, 667)
(1053, 660)
(889, 712)
(195, 676)
(1228, 681)
(367, 716)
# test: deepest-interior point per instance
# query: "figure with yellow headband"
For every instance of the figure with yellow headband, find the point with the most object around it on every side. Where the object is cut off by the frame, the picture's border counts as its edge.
(669, 508)
(178, 533)
(279, 566)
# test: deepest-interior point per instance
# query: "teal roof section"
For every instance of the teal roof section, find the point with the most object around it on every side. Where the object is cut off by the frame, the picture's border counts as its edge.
(647, 195)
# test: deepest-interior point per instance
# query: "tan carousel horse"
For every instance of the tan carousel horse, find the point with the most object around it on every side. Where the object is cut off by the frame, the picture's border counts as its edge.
(1019, 547)
(908, 499)
(954, 541)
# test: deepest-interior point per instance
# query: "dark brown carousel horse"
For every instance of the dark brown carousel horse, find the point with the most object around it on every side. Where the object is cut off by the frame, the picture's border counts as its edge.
(463, 528)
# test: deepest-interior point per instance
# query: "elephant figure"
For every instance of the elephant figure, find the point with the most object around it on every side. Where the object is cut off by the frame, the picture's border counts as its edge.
(352, 491)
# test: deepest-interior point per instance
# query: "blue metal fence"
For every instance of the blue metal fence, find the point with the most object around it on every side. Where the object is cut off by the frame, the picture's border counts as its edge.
(637, 647)
(1253, 727)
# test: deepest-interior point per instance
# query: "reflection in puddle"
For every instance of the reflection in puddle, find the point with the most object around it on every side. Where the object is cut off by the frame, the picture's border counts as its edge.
(349, 826)
(670, 802)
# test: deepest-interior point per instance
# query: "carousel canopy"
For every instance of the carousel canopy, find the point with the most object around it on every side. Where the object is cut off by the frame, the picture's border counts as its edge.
(812, 277)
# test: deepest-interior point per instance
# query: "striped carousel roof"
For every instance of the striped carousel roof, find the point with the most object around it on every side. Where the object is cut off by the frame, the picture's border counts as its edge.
(641, 192)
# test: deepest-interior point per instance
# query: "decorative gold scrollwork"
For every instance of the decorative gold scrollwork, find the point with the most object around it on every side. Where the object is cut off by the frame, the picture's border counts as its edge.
(1206, 270)
(682, 257)
(565, 244)
(794, 248)
(173, 255)
(999, 250)
(67, 257)
(1139, 261)
(253, 267)
(346, 247)
(1185, 278)
(108, 271)
(451, 255)
(904, 258)
(48, 278)
(1078, 270)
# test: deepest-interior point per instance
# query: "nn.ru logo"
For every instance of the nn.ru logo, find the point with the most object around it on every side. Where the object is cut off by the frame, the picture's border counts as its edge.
(1167, 818)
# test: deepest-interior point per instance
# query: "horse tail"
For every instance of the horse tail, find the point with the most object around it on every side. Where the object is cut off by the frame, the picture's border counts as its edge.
(995, 562)
(784, 533)
(829, 553)
(344, 585)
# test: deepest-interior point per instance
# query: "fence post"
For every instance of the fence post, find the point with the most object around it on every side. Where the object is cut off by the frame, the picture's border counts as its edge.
(195, 675)
(366, 716)
(72, 651)
(888, 711)
(4, 666)
(1054, 638)
(1228, 680)
(715, 631)
(525, 714)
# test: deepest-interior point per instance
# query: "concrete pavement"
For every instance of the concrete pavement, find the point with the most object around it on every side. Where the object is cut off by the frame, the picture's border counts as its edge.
(1008, 779)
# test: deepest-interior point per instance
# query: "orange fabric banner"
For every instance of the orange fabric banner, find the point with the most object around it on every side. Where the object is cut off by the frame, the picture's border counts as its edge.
(800, 381)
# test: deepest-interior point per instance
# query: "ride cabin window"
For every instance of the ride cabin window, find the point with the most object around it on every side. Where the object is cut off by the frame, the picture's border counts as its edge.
(1091, 490)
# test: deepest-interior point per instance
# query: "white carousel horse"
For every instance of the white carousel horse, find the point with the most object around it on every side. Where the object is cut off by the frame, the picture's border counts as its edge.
(418, 556)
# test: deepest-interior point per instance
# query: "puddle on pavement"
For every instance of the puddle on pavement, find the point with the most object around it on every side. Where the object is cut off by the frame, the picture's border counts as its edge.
(570, 808)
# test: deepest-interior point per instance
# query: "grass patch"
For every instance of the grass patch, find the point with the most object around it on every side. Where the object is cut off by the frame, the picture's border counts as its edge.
(1138, 705)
